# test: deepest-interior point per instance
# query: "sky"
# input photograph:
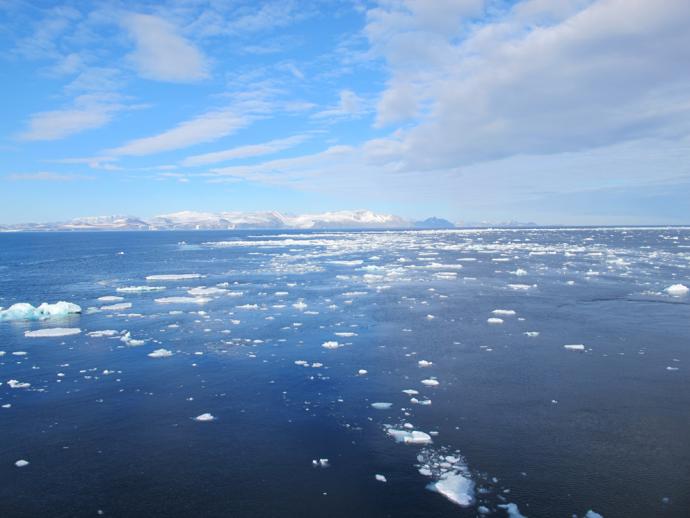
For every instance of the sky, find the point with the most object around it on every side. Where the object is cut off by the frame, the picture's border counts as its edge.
(547, 111)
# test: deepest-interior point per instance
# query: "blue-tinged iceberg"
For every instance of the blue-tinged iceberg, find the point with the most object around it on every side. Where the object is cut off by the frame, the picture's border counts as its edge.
(25, 311)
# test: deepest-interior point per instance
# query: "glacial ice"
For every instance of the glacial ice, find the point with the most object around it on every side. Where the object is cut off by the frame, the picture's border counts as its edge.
(25, 311)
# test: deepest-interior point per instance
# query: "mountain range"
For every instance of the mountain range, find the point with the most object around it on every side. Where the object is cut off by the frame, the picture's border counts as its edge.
(190, 220)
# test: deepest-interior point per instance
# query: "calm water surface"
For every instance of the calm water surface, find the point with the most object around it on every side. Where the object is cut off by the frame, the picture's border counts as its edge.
(557, 432)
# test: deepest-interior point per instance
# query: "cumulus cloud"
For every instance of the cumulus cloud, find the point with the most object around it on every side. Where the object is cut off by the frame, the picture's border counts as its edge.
(161, 53)
(541, 78)
(349, 104)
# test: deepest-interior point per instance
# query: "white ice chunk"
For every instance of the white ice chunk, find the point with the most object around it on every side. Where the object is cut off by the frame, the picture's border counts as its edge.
(174, 277)
(574, 347)
(139, 289)
(593, 514)
(494, 320)
(456, 488)
(431, 382)
(331, 344)
(204, 417)
(380, 478)
(381, 406)
(182, 300)
(53, 332)
(117, 307)
(21, 463)
(160, 353)
(512, 510)
(677, 290)
(24, 311)
(504, 312)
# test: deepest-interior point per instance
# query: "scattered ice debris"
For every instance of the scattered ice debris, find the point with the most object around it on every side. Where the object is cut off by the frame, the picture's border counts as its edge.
(362, 372)
(160, 353)
(117, 307)
(21, 463)
(182, 300)
(174, 277)
(300, 305)
(128, 340)
(494, 320)
(425, 363)
(320, 463)
(431, 382)
(380, 478)
(204, 417)
(593, 514)
(411, 392)
(345, 334)
(574, 347)
(331, 344)
(531, 334)
(677, 290)
(16, 384)
(25, 311)
(381, 406)
(409, 437)
(105, 333)
(513, 511)
(521, 287)
(430, 317)
(504, 312)
(669, 368)
(139, 289)
(53, 332)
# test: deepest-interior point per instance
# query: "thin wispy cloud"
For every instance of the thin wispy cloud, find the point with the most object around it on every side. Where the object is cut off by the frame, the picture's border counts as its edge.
(252, 150)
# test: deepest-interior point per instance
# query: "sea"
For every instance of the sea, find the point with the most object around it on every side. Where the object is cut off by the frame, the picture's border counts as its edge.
(332, 373)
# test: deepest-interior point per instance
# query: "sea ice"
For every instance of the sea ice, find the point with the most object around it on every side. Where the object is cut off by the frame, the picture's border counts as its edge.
(16, 384)
(110, 298)
(21, 463)
(425, 363)
(494, 320)
(204, 417)
(53, 332)
(139, 289)
(380, 478)
(202, 290)
(574, 347)
(382, 406)
(160, 353)
(677, 290)
(24, 311)
(593, 514)
(117, 307)
(174, 277)
(331, 344)
(456, 488)
(512, 510)
(182, 300)
(504, 312)
(431, 382)
(103, 334)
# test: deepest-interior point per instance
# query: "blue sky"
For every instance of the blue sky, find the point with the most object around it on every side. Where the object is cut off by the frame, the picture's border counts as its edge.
(554, 111)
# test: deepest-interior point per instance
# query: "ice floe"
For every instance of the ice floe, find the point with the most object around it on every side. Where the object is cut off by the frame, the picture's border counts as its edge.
(174, 277)
(139, 289)
(381, 406)
(574, 347)
(677, 290)
(513, 511)
(182, 300)
(204, 417)
(160, 353)
(53, 332)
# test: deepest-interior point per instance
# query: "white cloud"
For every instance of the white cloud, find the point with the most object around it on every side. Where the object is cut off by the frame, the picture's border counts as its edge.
(44, 176)
(349, 104)
(87, 112)
(248, 151)
(545, 77)
(161, 53)
(205, 128)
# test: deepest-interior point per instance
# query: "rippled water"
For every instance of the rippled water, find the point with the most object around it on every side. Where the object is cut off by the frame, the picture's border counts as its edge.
(514, 418)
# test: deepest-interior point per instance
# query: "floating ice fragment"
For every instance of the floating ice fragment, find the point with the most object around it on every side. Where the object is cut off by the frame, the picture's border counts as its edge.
(202, 290)
(117, 307)
(331, 344)
(382, 406)
(362, 372)
(512, 510)
(574, 347)
(300, 305)
(456, 488)
(425, 363)
(413, 437)
(411, 392)
(21, 463)
(380, 478)
(160, 353)
(174, 277)
(494, 320)
(593, 514)
(677, 290)
(204, 417)
(504, 312)
(24, 311)
(431, 382)
(53, 332)
(16, 384)
(103, 334)
(110, 298)
(182, 300)
(139, 289)
(128, 340)
(531, 334)
(320, 463)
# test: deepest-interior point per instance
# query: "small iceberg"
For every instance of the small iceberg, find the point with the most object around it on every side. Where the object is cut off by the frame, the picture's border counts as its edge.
(204, 417)
(160, 353)
(456, 488)
(25, 311)
(677, 290)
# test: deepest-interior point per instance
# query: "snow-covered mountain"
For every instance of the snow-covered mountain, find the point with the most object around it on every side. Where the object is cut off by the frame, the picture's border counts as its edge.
(190, 220)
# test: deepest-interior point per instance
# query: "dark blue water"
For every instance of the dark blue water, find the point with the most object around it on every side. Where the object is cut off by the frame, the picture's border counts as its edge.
(109, 430)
